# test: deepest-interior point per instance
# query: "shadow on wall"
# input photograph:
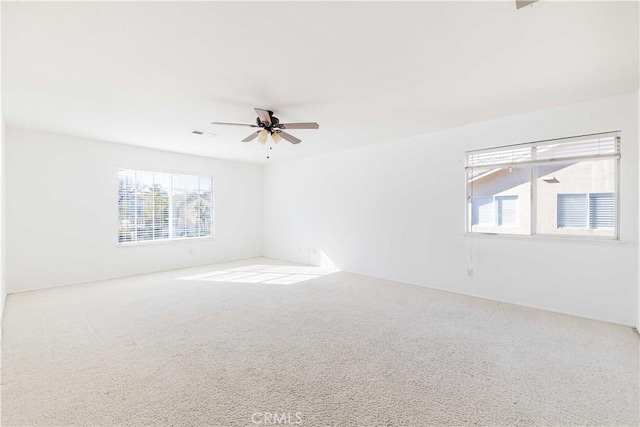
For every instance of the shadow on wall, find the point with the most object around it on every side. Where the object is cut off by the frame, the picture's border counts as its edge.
(267, 274)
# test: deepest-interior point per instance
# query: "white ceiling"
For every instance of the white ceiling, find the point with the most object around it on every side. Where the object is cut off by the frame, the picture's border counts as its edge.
(148, 73)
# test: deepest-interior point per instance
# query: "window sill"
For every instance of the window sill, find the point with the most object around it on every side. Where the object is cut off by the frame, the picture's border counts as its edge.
(165, 241)
(548, 238)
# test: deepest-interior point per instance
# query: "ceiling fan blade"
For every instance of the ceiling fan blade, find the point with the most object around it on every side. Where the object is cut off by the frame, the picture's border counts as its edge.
(292, 139)
(523, 3)
(234, 124)
(251, 137)
(201, 132)
(263, 115)
(310, 125)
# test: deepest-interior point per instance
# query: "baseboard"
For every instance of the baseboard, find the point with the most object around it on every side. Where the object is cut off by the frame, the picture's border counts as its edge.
(125, 276)
(565, 313)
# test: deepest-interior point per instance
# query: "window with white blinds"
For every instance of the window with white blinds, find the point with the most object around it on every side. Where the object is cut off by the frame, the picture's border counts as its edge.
(507, 211)
(572, 210)
(501, 211)
(602, 211)
(595, 211)
(163, 206)
(564, 186)
(483, 211)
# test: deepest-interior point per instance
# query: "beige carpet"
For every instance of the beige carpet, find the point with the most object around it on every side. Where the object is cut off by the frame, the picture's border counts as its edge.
(231, 344)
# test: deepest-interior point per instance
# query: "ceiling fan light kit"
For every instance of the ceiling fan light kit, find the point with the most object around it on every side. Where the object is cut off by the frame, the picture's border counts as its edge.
(276, 137)
(262, 136)
(270, 125)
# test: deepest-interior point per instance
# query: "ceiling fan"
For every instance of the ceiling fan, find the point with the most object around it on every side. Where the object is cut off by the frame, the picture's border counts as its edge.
(270, 125)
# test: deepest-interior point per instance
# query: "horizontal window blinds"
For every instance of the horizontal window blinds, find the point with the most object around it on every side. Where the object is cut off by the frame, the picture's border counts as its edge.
(602, 211)
(507, 210)
(191, 202)
(143, 205)
(503, 156)
(595, 210)
(163, 206)
(606, 145)
(572, 210)
(482, 210)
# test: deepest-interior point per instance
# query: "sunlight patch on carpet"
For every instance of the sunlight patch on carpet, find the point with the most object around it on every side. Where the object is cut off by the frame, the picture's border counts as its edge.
(268, 274)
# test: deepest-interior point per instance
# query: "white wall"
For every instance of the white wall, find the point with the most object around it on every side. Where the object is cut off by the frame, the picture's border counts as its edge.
(396, 210)
(3, 282)
(62, 217)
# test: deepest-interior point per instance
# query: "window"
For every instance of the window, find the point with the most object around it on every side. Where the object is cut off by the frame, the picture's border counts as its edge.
(162, 206)
(594, 211)
(497, 197)
(483, 211)
(507, 211)
(501, 211)
(572, 210)
(561, 187)
(602, 211)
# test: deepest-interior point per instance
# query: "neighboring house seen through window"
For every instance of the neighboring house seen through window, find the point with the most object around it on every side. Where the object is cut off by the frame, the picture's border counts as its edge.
(561, 187)
(163, 206)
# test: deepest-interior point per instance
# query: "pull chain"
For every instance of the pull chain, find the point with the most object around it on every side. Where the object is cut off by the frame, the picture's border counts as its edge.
(269, 147)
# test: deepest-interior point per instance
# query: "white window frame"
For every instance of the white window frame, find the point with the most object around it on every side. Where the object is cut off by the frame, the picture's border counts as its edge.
(171, 238)
(533, 163)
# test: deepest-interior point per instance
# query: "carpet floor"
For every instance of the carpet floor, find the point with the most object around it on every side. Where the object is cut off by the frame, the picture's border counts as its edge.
(259, 342)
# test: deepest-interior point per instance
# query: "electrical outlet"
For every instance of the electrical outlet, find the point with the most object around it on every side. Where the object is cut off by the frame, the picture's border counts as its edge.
(470, 272)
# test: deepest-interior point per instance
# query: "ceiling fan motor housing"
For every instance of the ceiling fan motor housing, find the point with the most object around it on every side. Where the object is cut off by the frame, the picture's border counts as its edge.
(275, 122)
